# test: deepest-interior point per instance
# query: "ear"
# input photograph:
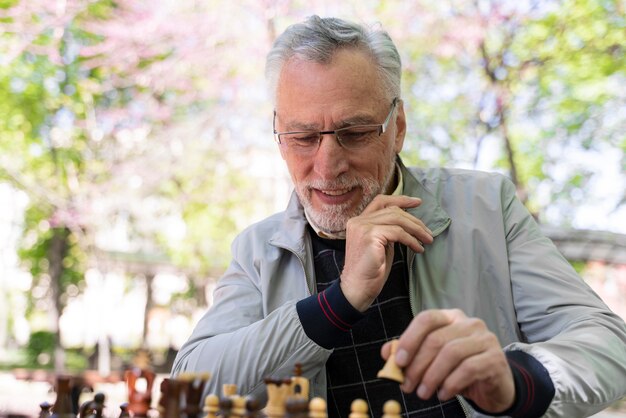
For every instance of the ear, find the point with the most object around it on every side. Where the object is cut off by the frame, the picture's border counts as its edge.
(400, 127)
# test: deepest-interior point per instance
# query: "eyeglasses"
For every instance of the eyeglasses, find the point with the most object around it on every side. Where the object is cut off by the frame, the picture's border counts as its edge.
(350, 137)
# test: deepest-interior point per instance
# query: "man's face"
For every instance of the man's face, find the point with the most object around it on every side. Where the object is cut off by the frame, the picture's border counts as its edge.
(333, 183)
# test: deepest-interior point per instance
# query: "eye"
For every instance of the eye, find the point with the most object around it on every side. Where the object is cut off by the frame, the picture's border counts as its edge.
(356, 134)
(301, 139)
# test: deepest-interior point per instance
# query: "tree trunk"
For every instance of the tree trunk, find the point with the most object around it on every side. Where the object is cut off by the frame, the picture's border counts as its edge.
(56, 253)
(148, 308)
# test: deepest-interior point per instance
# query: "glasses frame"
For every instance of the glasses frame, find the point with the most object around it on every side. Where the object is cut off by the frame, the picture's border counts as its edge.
(382, 128)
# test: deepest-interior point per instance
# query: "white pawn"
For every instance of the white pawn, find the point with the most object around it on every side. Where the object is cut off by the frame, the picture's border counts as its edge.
(317, 408)
(211, 405)
(391, 409)
(358, 409)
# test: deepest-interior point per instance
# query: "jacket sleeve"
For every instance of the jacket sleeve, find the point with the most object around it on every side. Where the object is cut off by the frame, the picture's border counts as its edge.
(238, 342)
(564, 324)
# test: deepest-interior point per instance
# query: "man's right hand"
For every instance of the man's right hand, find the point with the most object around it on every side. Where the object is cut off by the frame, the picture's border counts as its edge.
(370, 239)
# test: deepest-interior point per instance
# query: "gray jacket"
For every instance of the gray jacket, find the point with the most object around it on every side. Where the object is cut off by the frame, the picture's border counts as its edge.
(488, 259)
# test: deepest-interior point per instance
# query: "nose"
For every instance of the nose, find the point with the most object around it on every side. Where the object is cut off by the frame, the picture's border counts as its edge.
(330, 160)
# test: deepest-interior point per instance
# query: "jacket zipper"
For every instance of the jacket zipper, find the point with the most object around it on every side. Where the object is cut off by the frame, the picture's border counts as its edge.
(463, 407)
(307, 278)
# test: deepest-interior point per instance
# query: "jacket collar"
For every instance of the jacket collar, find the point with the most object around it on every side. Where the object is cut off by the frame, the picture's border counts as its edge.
(430, 212)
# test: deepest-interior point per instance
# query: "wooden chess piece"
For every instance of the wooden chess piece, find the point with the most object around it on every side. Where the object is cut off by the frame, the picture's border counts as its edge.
(317, 408)
(139, 381)
(171, 404)
(296, 407)
(358, 409)
(93, 408)
(226, 405)
(191, 391)
(124, 411)
(392, 409)
(211, 405)
(299, 384)
(45, 408)
(229, 389)
(62, 407)
(238, 409)
(277, 392)
(253, 407)
(391, 370)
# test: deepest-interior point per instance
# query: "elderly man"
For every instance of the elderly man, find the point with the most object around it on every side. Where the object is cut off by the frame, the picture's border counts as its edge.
(490, 318)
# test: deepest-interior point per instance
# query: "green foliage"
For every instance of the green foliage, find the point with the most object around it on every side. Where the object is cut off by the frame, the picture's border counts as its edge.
(40, 343)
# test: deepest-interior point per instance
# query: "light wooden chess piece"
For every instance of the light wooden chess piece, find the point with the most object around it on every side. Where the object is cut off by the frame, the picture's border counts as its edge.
(229, 389)
(278, 390)
(391, 370)
(358, 409)
(239, 406)
(317, 408)
(211, 405)
(391, 409)
(299, 384)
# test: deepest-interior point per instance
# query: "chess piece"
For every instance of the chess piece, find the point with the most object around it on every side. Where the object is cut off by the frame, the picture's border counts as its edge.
(211, 405)
(391, 409)
(226, 405)
(391, 370)
(124, 411)
(253, 408)
(317, 408)
(238, 409)
(191, 392)
(277, 392)
(229, 389)
(93, 408)
(358, 409)
(45, 408)
(62, 407)
(299, 383)
(170, 398)
(296, 407)
(139, 381)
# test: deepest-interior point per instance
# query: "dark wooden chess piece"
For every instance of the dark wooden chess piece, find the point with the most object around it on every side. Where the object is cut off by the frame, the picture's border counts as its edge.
(45, 411)
(62, 407)
(140, 395)
(124, 411)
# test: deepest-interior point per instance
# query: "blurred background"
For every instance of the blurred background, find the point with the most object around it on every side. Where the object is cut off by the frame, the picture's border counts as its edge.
(135, 142)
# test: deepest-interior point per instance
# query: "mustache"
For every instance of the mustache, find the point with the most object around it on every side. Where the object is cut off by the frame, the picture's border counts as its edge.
(341, 183)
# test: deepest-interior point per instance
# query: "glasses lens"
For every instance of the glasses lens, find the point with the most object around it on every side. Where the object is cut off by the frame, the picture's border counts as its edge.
(357, 136)
(300, 141)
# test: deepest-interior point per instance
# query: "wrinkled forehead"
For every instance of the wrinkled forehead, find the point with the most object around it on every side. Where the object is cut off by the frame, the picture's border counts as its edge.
(349, 84)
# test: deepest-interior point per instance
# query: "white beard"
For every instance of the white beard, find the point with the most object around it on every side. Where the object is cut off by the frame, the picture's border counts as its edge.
(332, 219)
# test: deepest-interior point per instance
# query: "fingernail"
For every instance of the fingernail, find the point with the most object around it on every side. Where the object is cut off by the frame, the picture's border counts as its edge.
(429, 231)
(422, 391)
(443, 395)
(407, 385)
(402, 357)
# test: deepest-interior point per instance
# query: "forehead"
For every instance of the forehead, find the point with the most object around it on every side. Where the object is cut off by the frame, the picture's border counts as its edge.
(320, 93)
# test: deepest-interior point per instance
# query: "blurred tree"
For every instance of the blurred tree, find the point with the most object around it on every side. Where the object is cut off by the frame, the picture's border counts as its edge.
(96, 95)
(540, 78)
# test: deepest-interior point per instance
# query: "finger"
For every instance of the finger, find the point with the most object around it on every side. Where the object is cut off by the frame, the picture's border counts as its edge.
(488, 368)
(433, 348)
(449, 358)
(394, 216)
(422, 325)
(385, 201)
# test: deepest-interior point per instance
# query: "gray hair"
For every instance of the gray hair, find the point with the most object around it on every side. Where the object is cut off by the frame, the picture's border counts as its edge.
(317, 39)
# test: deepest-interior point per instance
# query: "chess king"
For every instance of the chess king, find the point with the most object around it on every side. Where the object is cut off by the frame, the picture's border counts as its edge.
(490, 318)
